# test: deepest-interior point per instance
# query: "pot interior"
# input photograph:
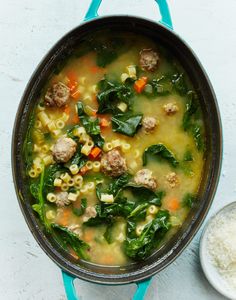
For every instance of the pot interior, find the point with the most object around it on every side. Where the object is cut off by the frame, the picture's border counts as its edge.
(165, 255)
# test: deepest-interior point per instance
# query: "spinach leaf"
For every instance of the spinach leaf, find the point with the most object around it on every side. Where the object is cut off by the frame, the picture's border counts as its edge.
(191, 122)
(179, 84)
(139, 213)
(188, 200)
(51, 172)
(126, 124)
(188, 156)
(143, 194)
(68, 239)
(161, 86)
(80, 211)
(108, 233)
(111, 94)
(140, 247)
(91, 125)
(28, 144)
(79, 158)
(117, 184)
(160, 151)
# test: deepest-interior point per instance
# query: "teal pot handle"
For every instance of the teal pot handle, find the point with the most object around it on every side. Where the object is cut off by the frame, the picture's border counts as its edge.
(163, 7)
(68, 280)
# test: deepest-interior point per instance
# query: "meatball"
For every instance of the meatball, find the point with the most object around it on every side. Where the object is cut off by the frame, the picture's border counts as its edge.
(144, 177)
(149, 60)
(57, 95)
(113, 164)
(172, 179)
(170, 108)
(62, 199)
(63, 149)
(149, 124)
(76, 229)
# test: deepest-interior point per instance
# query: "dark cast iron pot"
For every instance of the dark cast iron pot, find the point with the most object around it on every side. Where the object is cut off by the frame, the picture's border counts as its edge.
(141, 272)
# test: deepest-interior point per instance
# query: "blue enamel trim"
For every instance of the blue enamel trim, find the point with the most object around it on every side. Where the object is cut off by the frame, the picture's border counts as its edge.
(163, 7)
(71, 292)
(68, 281)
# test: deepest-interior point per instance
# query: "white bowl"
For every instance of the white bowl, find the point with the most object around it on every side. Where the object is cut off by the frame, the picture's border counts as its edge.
(209, 269)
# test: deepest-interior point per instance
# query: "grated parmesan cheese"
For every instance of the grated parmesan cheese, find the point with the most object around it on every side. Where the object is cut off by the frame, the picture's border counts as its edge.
(221, 238)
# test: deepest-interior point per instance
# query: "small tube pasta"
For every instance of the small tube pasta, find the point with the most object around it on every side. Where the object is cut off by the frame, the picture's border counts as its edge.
(38, 136)
(152, 210)
(87, 97)
(139, 230)
(78, 185)
(79, 131)
(78, 179)
(64, 187)
(51, 197)
(107, 198)
(122, 106)
(57, 182)
(107, 147)
(60, 124)
(136, 153)
(40, 107)
(84, 189)
(74, 169)
(84, 138)
(45, 148)
(56, 133)
(71, 182)
(132, 71)
(89, 110)
(51, 126)
(47, 160)
(96, 166)
(72, 197)
(36, 148)
(65, 177)
(32, 173)
(125, 147)
(116, 143)
(124, 76)
(38, 124)
(89, 165)
(43, 117)
(87, 147)
(91, 186)
(50, 214)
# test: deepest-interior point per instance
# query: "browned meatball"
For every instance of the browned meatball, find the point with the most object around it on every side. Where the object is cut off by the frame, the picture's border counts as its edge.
(144, 177)
(170, 108)
(62, 199)
(113, 164)
(57, 95)
(63, 149)
(149, 124)
(149, 60)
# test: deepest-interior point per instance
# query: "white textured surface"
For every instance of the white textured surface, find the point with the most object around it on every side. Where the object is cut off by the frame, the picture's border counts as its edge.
(28, 29)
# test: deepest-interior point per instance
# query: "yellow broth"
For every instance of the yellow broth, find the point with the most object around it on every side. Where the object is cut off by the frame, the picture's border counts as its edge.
(85, 72)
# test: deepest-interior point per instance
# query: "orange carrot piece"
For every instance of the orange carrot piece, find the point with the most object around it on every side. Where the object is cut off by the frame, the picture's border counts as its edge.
(95, 152)
(75, 119)
(96, 69)
(88, 235)
(65, 218)
(104, 122)
(139, 84)
(84, 170)
(173, 204)
(67, 109)
(71, 75)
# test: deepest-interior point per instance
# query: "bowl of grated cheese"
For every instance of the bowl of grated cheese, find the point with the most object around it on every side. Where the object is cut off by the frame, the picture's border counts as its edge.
(218, 251)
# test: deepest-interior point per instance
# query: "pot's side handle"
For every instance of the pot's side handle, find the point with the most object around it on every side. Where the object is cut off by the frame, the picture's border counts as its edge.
(71, 292)
(163, 7)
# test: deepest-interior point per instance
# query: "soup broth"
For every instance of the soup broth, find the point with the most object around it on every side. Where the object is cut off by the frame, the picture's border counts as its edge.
(115, 149)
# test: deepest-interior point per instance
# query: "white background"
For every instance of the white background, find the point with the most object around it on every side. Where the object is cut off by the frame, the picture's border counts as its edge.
(28, 29)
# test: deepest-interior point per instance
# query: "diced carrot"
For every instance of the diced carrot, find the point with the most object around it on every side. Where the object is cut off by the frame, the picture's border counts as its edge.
(84, 170)
(67, 109)
(75, 119)
(96, 69)
(139, 84)
(88, 235)
(75, 95)
(65, 218)
(173, 204)
(72, 85)
(104, 122)
(71, 75)
(95, 152)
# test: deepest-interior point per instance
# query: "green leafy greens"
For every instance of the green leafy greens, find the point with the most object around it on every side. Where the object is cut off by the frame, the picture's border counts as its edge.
(161, 152)
(126, 124)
